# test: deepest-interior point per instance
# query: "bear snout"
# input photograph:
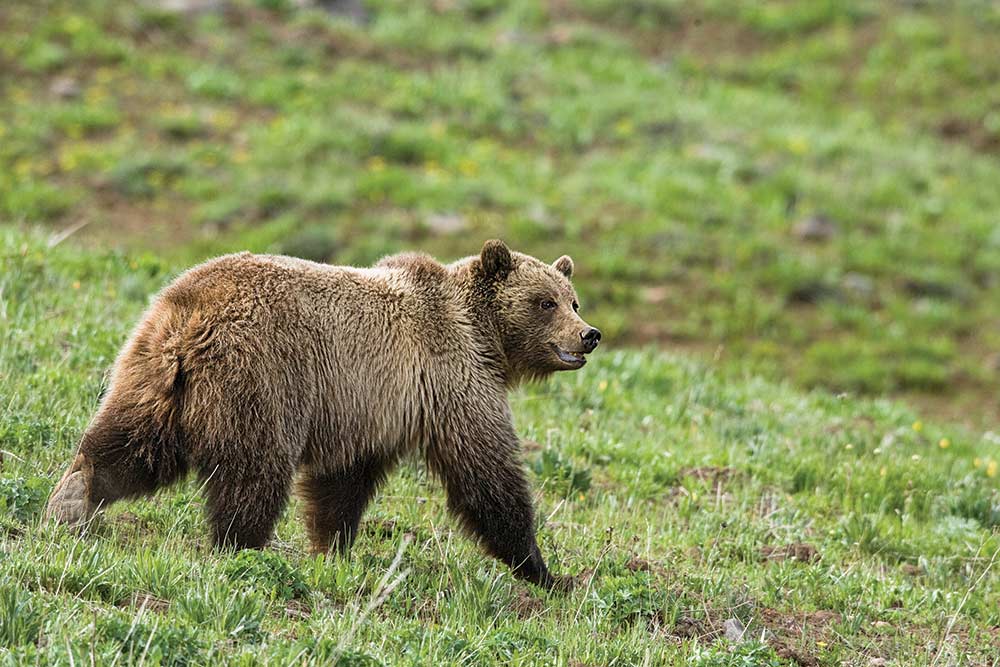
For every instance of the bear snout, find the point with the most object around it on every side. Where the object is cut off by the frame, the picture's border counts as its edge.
(591, 337)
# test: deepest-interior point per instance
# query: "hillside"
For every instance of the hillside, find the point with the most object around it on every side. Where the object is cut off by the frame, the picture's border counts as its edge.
(835, 530)
(803, 190)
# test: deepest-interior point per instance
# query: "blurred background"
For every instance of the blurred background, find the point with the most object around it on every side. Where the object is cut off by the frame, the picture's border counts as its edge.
(804, 190)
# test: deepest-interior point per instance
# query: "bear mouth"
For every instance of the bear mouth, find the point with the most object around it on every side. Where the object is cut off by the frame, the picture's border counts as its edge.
(569, 359)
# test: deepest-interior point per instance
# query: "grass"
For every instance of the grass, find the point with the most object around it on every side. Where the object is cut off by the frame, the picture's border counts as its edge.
(680, 151)
(835, 530)
(780, 213)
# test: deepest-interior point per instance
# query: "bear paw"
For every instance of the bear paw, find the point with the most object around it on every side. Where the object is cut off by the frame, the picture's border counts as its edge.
(69, 502)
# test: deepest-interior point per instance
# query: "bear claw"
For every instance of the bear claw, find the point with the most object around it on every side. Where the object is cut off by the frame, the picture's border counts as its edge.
(69, 503)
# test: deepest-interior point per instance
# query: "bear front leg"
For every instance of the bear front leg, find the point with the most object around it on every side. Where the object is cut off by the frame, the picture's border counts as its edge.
(244, 502)
(336, 500)
(487, 490)
(70, 499)
(113, 461)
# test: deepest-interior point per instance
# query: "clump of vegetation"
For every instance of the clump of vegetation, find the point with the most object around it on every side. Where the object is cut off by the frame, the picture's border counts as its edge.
(268, 572)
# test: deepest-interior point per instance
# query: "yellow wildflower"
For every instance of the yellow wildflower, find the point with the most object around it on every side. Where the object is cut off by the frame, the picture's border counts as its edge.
(66, 159)
(798, 144)
(991, 469)
(433, 169)
(918, 426)
(376, 163)
(603, 385)
(73, 24)
(468, 167)
(944, 443)
(625, 128)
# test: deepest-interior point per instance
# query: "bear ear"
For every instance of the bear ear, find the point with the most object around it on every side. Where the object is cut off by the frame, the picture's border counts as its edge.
(564, 265)
(496, 259)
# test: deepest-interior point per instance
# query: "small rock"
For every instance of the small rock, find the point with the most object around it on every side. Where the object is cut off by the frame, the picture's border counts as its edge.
(446, 223)
(510, 37)
(65, 87)
(539, 214)
(859, 285)
(654, 294)
(354, 10)
(816, 229)
(877, 662)
(734, 630)
(186, 6)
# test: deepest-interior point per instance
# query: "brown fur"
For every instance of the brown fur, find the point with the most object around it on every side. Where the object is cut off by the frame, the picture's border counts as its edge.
(249, 369)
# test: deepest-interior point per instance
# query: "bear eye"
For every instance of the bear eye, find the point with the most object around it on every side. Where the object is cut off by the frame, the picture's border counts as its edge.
(576, 306)
(548, 305)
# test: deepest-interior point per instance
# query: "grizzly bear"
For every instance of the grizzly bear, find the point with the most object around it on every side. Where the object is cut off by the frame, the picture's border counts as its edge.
(252, 368)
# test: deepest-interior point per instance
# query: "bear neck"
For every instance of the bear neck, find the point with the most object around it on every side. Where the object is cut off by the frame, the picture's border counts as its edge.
(480, 300)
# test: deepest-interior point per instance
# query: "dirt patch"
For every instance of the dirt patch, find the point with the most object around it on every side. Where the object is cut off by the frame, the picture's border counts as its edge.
(637, 564)
(717, 477)
(799, 551)
(383, 528)
(687, 627)
(524, 605)
(297, 610)
(714, 474)
(147, 601)
(795, 635)
(530, 446)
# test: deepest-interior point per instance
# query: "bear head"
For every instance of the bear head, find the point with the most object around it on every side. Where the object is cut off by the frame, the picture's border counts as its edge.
(534, 308)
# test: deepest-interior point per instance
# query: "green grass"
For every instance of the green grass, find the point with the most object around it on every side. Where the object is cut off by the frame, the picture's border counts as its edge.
(672, 147)
(676, 150)
(666, 480)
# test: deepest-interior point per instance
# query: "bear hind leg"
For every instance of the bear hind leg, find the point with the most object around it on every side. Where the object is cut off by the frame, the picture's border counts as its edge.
(335, 502)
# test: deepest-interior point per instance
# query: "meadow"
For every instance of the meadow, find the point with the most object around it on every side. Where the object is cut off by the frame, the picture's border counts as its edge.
(809, 193)
(783, 219)
(831, 529)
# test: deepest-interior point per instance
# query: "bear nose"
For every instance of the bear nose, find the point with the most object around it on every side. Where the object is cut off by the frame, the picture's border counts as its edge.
(591, 337)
